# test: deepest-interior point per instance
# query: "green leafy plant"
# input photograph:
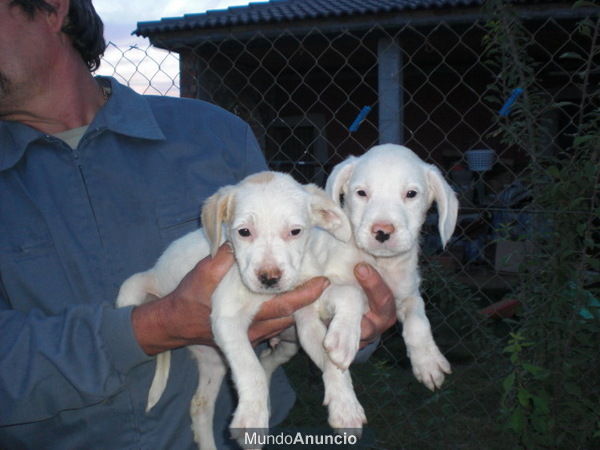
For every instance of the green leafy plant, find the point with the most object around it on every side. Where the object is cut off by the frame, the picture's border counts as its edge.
(527, 402)
(552, 390)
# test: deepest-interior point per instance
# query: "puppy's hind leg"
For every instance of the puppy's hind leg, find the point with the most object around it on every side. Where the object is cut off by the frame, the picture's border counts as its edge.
(248, 374)
(211, 371)
(280, 353)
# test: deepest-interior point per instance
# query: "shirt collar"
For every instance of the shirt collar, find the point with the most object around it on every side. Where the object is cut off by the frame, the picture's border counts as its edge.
(126, 112)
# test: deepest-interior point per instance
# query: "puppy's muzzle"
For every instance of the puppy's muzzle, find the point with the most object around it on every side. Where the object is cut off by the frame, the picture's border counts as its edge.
(382, 231)
(269, 277)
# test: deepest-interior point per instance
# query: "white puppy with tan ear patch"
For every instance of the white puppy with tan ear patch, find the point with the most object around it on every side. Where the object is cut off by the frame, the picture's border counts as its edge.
(386, 194)
(268, 219)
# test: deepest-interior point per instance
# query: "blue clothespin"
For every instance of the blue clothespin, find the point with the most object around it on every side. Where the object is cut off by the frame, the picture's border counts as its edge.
(505, 110)
(361, 116)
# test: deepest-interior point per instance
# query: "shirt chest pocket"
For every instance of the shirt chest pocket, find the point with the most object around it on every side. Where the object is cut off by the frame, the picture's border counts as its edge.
(32, 273)
(176, 220)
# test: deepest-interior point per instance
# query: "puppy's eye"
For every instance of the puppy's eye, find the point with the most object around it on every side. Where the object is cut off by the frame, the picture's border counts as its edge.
(411, 194)
(296, 231)
(361, 193)
(244, 232)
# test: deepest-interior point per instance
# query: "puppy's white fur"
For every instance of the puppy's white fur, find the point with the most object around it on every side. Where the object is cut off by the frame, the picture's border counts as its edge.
(386, 194)
(268, 218)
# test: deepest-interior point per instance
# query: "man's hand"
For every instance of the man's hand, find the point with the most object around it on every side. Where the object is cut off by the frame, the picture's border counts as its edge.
(382, 309)
(275, 315)
(183, 316)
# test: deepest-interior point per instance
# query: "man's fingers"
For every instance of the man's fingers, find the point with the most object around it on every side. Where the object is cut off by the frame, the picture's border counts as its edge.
(275, 315)
(220, 263)
(286, 304)
(376, 289)
(382, 308)
(223, 257)
(368, 332)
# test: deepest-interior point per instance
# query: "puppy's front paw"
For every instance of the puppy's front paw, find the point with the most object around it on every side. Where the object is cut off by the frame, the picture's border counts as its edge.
(429, 366)
(251, 418)
(342, 345)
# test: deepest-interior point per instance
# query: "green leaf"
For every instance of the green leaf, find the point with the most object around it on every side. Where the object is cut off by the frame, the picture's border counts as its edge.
(572, 55)
(563, 104)
(580, 140)
(584, 3)
(553, 171)
(517, 420)
(508, 383)
(540, 405)
(536, 371)
(539, 424)
(524, 396)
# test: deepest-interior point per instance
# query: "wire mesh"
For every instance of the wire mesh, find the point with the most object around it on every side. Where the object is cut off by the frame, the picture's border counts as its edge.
(301, 92)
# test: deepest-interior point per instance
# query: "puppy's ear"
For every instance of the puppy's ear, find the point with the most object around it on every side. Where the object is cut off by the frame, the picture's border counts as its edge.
(337, 182)
(327, 215)
(447, 203)
(217, 210)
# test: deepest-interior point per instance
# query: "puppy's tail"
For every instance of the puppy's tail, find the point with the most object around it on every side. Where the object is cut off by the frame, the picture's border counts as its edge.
(137, 289)
(159, 382)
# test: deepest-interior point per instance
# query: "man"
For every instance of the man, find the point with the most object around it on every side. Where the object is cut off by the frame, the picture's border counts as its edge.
(95, 181)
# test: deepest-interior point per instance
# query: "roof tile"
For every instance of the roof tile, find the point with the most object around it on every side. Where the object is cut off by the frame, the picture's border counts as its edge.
(276, 11)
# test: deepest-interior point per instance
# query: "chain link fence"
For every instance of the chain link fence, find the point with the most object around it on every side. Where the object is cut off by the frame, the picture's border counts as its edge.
(302, 92)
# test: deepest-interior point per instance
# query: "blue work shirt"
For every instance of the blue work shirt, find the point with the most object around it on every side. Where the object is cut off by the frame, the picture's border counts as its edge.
(74, 224)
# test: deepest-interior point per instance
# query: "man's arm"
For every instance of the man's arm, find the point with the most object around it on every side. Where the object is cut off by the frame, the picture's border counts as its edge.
(50, 363)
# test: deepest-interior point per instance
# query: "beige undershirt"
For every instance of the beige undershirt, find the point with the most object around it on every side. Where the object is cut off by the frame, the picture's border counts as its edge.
(72, 136)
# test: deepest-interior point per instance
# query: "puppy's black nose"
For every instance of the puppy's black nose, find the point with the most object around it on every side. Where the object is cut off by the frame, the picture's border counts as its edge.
(382, 236)
(382, 231)
(268, 281)
(269, 276)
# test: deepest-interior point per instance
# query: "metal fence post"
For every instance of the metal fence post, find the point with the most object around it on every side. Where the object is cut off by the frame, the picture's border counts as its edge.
(390, 91)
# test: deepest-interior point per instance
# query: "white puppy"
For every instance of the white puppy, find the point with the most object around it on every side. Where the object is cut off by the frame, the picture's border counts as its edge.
(386, 194)
(268, 219)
